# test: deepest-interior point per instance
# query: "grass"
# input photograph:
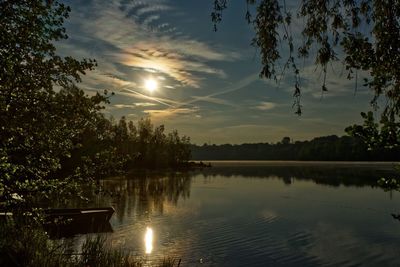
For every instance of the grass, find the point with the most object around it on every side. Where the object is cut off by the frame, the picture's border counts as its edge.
(27, 245)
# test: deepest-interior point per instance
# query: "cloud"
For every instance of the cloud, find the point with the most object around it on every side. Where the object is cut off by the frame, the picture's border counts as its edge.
(336, 81)
(250, 126)
(229, 89)
(134, 34)
(239, 133)
(123, 106)
(157, 59)
(265, 106)
(144, 104)
(137, 95)
(179, 108)
(137, 9)
(169, 112)
(212, 100)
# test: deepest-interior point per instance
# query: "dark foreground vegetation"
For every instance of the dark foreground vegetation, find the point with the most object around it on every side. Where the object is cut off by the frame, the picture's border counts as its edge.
(32, 247)
(326, 148)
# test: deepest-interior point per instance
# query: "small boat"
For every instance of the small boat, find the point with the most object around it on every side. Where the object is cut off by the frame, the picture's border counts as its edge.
(89, 214)
(68, 222)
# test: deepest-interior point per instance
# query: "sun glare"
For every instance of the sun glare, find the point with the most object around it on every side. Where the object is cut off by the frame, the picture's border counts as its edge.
(151, 85)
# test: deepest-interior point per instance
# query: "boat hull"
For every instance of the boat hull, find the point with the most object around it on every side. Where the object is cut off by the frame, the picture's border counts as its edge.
(69, 222)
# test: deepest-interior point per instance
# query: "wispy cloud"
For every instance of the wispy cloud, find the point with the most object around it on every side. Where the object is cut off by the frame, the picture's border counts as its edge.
(134, 34)
(229, 89)
(161, 113)
(144, 104)
(238, 133)
(123, 106)
(174, 107)
(212, 100)
(249, 126)
(176, 65)
(129, 38)
(265, 106)
(137, 95)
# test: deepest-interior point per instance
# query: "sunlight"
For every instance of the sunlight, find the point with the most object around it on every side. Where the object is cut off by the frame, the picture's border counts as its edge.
(148, 240)
(151, 85)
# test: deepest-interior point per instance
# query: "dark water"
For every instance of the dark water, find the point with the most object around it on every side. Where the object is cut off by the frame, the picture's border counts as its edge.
(260, 214)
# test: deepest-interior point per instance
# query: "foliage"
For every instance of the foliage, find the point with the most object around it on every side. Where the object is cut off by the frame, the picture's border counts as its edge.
(27, 245)
(389, 184)
(118, 146)
(147, 146)
(367, 32)
(385, 134)
(329, 148)
(376, 135)
(96, 253)
(42, 112)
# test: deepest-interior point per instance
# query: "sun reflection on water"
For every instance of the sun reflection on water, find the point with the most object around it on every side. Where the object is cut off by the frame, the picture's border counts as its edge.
(148, 240)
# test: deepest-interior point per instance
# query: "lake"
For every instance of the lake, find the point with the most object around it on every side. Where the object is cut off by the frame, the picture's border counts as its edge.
(259, 214)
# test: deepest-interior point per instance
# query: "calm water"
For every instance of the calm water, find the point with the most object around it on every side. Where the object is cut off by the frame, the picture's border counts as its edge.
(260, 214)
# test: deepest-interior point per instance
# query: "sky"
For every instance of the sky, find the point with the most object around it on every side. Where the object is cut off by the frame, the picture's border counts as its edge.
(207, 83)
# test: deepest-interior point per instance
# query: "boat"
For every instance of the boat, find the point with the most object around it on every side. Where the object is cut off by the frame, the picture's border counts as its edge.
(72, 221)
(79, 215)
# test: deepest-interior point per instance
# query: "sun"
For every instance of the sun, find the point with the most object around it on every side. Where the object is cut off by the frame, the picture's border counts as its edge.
(151, 85)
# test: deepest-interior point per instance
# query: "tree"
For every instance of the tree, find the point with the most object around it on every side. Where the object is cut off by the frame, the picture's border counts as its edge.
(42, 113)
(367, 31)
(285, 140)
(385, 134)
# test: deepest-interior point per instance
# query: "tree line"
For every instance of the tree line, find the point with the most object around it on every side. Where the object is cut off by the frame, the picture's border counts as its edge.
(326, 148)
(123, 145)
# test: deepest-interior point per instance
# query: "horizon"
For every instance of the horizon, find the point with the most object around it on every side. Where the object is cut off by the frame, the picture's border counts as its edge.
(292, 141)
(163, 60)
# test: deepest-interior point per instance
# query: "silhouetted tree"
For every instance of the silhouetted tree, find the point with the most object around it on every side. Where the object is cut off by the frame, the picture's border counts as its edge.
(285, 140)
(42, 112)
(367, 31)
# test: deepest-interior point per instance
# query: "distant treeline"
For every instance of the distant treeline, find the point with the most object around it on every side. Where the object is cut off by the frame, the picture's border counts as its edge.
(122, 145)
(327, 148)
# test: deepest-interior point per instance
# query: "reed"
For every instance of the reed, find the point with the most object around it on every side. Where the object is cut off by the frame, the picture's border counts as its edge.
(27, 245)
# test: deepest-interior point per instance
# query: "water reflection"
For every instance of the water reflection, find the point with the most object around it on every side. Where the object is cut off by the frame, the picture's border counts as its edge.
(148, 240)
(146, 194)
(258, 216)
(337, 174)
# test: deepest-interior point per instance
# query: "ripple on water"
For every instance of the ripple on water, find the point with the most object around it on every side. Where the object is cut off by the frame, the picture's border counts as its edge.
(226, 233)
(251, 243)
